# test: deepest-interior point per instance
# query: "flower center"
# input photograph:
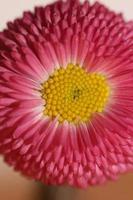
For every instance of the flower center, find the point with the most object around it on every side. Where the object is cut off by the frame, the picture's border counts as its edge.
(74, 95)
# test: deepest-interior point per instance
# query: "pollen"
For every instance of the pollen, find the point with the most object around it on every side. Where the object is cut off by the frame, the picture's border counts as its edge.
(75, 95)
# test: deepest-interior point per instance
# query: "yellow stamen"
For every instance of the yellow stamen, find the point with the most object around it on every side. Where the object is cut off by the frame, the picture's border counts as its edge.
(74, 95)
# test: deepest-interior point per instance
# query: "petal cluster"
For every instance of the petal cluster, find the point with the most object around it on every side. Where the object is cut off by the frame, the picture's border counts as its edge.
(31, 49)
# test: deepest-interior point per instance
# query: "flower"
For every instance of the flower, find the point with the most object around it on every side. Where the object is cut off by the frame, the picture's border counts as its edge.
(66, 100)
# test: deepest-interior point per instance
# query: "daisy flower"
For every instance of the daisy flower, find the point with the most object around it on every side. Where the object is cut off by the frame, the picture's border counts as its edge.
(66, 94)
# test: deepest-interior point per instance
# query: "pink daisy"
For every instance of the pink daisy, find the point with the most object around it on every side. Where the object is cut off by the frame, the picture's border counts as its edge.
(66, 94)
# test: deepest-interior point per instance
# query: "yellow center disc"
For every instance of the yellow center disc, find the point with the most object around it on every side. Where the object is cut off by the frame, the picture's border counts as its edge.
(74, 95)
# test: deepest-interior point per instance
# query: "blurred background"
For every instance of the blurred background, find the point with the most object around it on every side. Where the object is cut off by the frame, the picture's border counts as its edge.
(15, 187)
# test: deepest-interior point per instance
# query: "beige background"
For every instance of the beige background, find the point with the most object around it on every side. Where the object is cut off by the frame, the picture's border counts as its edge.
(9, 9)
(12, 185)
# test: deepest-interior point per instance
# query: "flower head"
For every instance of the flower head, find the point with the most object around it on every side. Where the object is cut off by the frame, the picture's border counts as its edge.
(66, 100)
